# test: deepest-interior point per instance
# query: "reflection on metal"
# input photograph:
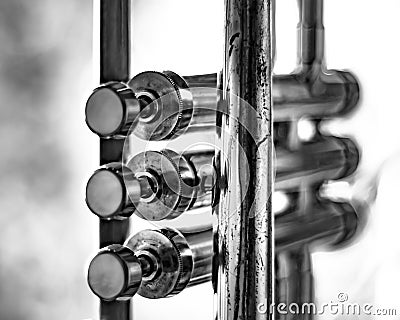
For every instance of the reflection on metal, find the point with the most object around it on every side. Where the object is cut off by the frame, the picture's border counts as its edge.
(243, 274)
(153, 263)
(313, 92)
(162, 113)
(235, 180)
(114, 66)
(162, 185)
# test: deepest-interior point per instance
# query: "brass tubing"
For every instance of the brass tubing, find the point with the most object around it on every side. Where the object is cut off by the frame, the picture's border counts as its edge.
(310, 33)
(294, 283)
(316, 95)
(204, 92)
(200, 243)
(326, 158)
(327, 222)
(116, 191)
(329, 95)
(243, 238)
(164, 262)
(294, 97)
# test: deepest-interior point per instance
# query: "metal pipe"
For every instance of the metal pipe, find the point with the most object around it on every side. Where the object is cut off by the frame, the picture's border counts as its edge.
(294, 282)
(154, 263)
(114, 40)
(327, 223)
(114, 66)
(310, 33)
(243, 273)
(323, 96)
(200, 243)
(161, 263)
(162, 185)
(204, 92)
(294, 96)
(326, 158)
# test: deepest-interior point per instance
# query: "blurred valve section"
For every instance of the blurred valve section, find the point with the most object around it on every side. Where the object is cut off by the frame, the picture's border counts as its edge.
(158, 185)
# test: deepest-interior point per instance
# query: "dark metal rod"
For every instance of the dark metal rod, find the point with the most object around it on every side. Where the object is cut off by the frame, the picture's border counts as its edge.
(114, 66)
(243, 267)
(114, 40)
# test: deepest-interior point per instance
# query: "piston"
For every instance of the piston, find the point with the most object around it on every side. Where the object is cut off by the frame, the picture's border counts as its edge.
(158, 185)
(157, 105)
(161, 263)
(163, 105)
(153, 263)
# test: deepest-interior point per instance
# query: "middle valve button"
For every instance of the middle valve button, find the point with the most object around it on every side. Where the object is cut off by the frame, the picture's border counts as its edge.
(155, 185)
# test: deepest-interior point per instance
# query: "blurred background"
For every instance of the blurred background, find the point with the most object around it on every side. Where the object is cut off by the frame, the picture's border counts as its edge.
(46, 232)
(48, 69)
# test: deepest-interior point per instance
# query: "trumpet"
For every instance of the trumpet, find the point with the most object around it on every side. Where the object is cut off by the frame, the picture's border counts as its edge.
(252, 254)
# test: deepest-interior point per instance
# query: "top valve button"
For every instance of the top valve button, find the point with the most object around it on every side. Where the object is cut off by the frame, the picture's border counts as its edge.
(111, 109)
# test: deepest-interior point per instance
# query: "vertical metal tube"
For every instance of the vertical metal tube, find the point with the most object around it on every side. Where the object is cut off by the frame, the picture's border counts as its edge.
(114, 66)
(294, 282)
(243, 238)
(310, 33)
(114, 40)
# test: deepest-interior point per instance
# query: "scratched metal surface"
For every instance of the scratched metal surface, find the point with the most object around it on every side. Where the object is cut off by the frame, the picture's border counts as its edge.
(243, 236)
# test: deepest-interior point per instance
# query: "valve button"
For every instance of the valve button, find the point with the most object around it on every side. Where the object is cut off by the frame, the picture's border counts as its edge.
(104, 111)
(112, 109)
(106, 276)
(105, 193)
(115, 273)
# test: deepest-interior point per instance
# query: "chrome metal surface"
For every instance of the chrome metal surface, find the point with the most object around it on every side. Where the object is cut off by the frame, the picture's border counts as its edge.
(113, 190)
(114, 273)
(311, 163)
(187, 180)
(315, 93)
(184, 181)
(243, 274)
(111, 109)
(181, 260)
(165, 261)
(161, 112)
(237, 183)
(201, 246)
(175, 104)
(294, 282)
(327, 224)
